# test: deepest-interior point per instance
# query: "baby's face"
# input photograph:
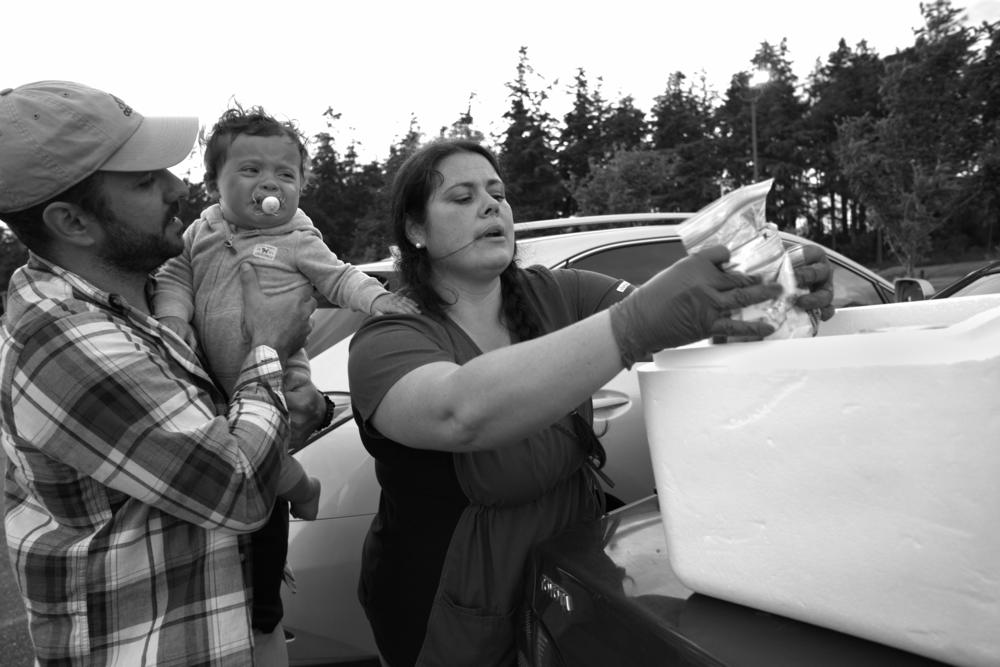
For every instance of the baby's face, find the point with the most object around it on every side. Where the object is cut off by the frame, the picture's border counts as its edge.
(256, 168)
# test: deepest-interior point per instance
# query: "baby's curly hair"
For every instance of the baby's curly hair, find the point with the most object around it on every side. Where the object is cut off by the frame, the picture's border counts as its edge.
(252, 121)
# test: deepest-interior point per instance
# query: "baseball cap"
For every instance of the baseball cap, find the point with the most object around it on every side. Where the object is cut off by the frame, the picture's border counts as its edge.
(53, 134)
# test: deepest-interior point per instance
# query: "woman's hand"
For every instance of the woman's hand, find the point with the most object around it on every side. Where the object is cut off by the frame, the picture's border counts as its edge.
(814, 271)
(688, 302)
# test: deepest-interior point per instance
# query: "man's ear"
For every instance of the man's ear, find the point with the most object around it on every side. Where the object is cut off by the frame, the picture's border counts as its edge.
(68, 223)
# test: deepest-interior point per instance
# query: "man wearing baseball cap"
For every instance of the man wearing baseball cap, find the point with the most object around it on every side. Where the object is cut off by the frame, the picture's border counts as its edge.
(132, 484)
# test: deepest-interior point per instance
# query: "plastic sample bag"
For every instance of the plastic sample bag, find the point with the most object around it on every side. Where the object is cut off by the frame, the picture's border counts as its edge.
(737, 220)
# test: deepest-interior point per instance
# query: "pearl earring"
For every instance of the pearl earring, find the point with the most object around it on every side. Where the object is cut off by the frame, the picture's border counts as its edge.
(418, 245)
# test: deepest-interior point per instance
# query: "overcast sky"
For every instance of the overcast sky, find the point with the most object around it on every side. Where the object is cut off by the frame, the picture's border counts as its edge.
(379, 63)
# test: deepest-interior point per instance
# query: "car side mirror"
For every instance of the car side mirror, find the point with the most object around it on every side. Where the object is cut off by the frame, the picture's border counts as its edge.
(913, 289)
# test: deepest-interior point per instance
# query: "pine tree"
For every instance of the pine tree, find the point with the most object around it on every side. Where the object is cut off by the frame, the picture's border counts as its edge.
(527, 157)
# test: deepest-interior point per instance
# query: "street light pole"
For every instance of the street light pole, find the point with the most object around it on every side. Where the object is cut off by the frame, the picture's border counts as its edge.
(753, 136)
(758, 79)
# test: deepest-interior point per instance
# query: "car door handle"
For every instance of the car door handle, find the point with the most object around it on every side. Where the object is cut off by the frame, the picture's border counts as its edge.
(610, 404)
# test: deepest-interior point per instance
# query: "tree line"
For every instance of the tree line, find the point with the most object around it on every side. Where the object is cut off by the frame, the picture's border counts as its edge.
(886, 159)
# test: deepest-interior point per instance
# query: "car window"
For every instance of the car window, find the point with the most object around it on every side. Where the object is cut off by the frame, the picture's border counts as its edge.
(852, 289)
(635, 263)
(988, 284)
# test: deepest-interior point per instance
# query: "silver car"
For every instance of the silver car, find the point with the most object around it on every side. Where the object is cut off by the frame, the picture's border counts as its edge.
(323, 617)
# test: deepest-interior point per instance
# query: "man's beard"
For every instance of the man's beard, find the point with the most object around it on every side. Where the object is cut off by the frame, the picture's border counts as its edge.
(132, 251)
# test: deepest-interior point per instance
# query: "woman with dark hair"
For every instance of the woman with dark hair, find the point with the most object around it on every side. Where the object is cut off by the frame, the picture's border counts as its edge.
(477, 411)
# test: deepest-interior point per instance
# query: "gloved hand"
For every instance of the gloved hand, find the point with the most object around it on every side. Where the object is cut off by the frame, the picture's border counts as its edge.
(814, 271)
(685, 303)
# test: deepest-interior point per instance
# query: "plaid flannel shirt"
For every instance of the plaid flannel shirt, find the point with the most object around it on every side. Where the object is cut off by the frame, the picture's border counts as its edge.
(131, 485)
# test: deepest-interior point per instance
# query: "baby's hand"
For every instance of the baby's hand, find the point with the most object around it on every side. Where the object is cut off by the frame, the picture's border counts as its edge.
(180, 327)
(308, 509)
(394, 303)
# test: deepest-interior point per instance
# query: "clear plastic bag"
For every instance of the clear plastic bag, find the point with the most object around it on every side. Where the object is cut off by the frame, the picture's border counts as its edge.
(737, 220)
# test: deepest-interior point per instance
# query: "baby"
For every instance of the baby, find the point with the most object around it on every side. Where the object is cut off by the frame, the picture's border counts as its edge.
(255, 168)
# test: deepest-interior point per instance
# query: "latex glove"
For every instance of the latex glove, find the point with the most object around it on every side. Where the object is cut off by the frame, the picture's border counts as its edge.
(814, 271)
(308, 509)
(688, 302)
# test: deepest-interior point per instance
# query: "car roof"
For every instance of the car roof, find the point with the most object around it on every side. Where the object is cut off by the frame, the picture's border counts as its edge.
(569, 237)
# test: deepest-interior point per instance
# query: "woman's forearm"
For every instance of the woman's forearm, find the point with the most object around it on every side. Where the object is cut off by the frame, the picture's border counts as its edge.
(503, 395)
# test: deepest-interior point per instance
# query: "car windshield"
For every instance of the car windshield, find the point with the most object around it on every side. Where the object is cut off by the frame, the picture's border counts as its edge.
(988, 284)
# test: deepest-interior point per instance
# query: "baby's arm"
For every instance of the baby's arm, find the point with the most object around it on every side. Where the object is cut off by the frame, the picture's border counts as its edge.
(344, 284)
(182, 328)
(173, 294)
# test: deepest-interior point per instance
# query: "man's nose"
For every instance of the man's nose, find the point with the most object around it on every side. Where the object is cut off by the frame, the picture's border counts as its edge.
(176, 188)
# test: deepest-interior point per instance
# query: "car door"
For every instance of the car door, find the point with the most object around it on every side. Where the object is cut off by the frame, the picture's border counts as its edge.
(618, 418)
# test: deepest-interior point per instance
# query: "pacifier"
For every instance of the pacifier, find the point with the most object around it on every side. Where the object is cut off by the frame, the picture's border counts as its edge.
(270, 205)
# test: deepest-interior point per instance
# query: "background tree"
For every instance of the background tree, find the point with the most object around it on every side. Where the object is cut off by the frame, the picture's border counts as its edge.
(12, 255)
(623, 128)
(196, 202)
(527, 156)
(911, 168)
(983, 212)
(322, 196)
(463, 127)
(782, 137)
(845, 87)
(630, 182)
(581, 142)
(373, 235)
(683, 127)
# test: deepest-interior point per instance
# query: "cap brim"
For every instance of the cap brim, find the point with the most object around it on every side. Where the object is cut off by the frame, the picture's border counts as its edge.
(160, 142)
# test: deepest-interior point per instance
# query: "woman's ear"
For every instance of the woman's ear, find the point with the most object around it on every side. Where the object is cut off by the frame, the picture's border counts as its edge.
(414, 233)
(68, 223)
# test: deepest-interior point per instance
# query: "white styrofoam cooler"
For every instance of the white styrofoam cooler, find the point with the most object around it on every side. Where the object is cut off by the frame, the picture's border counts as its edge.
(850, 480)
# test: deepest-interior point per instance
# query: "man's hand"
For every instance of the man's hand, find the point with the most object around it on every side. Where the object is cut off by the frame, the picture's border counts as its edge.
(307, 510)
(280, 321)
(306, 407)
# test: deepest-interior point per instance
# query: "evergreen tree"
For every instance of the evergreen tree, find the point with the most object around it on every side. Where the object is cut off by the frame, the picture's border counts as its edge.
(527, 157)
(197, 201)
(623, 128)
(911, 167)
(977, 222)
(683, 125)
(463, 128)
(321, 198)
(373, 234)
(845, 87)
(580, 142)
(782, 138)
